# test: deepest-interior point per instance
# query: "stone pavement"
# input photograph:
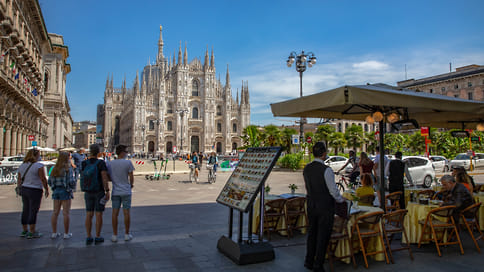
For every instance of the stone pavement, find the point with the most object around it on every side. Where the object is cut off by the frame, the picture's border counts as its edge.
(176, 225)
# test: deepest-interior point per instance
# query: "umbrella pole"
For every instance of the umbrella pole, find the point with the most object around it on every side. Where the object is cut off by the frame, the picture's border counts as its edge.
(382, 163)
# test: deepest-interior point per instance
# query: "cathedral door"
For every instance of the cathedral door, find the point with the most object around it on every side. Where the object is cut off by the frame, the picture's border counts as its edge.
(151, 147)
(195, 141)
(169, 147)
(219, 148)
(234, 146)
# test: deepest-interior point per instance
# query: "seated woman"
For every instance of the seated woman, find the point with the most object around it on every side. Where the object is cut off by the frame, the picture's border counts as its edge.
(365, 190)
(461, 177)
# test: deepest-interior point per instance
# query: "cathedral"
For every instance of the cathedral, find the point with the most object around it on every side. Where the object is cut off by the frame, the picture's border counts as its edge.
(176, 106)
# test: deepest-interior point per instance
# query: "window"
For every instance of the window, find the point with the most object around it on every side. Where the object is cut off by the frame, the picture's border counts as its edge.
(219, 127)
(443, 89)
(469, 96)
(469, 84)
(169, 108)
(346, 125)
(152, 125)
(219, 111)
(431, 91)
(195, 88)
(339, 127)
(234, 127)
(366, 127)
(456, 95)
(456, 86)
(169, 126)
(195, 113)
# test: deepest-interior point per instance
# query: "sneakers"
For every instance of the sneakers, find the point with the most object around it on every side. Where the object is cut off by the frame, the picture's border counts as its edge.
(89, 240)
(128, 237)
(98, 240)
(23, 233)
(36, 234)
(67, 235)
(54, 235)
(114, 238)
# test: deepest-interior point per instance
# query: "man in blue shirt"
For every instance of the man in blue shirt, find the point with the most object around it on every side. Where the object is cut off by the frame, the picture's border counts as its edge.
(78, 157)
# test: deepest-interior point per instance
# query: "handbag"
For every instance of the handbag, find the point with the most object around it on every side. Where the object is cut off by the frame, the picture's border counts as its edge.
(18, 189)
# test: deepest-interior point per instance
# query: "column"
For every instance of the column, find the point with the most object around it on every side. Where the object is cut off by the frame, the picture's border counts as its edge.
(8, 134)
(13, 146)
(19, 141)
(2, 136)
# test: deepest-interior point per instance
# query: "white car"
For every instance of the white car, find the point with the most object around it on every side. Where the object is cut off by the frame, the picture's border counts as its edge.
(463, 160)
(421, 170)
(440, 163)
(11, 161)
(336, 162)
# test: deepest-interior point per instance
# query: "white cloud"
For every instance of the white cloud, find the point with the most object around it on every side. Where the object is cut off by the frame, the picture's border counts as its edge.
(370, 65)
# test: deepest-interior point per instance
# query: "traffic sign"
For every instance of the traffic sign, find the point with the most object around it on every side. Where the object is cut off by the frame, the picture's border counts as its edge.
(475, 138)
(428, 141)
(309, 139)
(424, 131)
(295, 139)
(34, 143)
(174, 149)
(460, 134)
(31, 137)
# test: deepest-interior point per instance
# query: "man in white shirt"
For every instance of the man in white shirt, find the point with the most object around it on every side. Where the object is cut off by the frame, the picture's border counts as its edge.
(119, 171)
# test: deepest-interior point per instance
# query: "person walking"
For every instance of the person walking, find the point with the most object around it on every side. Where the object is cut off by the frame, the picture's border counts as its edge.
(62, 183)
(395, 171)
(30, 181)
(78, 157)
(321, 196)
(94, 182)
(121, 173)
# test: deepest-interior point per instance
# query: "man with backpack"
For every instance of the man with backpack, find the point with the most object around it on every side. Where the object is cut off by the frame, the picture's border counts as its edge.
(94, 182)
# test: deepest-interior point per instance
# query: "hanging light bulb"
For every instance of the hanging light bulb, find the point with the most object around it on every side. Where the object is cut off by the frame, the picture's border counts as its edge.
(377, 116)
(480, 126)
(393, 117)
(369, 120)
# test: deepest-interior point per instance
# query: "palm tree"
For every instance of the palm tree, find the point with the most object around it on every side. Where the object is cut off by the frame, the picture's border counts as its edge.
(370, 142)
(394, 142)
(354, 136)
(336, 140)
(272, 135)
(323, 133)
(286, 138)
(250, 136)
(416, 143)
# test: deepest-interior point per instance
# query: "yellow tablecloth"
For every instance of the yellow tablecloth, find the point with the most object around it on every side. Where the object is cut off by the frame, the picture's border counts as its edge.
(415, 213)
(479, 197)
(374, 244)
(282, 223)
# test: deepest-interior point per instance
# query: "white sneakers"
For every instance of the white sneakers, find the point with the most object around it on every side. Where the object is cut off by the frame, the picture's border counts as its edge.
(127, 237)
(66, 235)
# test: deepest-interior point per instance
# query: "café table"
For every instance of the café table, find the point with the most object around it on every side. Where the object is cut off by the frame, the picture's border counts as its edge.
(416, 190)
(479, 197)
(282, 223)
(416, 212)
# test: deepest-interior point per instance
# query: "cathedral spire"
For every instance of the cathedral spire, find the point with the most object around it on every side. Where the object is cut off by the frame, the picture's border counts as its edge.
(107, 82)
(237, 97)
(185, 55)
(174, 59)
(227, 77)
(111, 84)
(205, 65)
(160, 49)
(136, 83)
(212, 61)
(179, 55)
(124, 82)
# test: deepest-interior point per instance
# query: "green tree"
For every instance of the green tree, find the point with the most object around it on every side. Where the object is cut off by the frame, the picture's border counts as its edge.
(251, 136)
(355, 137)
(337, 140)
(394, 142)
(416, 143)
(286, 138)
(323, 133)
(272, 135)
(370, 142)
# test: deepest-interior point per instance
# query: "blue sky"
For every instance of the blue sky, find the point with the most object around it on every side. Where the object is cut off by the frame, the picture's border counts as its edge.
(355, 42)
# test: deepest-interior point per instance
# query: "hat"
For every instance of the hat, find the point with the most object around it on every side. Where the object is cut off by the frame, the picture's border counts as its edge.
(120, 148)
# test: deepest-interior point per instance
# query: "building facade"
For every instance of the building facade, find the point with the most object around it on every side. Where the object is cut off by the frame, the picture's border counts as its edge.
(176, 106)
(465, 82)
(25, 45)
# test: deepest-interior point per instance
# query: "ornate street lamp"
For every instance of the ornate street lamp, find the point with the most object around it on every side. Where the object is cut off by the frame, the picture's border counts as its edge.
(303, 61)
(181, 112)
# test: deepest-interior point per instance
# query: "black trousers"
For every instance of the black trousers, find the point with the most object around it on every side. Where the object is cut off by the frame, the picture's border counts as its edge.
(393, 189)
(31, 204)
(319, 233)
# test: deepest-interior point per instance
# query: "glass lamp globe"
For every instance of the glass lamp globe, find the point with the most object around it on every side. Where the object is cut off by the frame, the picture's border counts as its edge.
(377, 116)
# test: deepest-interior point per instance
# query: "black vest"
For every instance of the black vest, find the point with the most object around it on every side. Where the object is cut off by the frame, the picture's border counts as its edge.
(320, 201)
(396, 172)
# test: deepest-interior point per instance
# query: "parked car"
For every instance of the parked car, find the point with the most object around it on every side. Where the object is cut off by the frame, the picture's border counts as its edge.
(463, 160)
(336, 162)
(11, 161)
(421, 170)
(440, 163)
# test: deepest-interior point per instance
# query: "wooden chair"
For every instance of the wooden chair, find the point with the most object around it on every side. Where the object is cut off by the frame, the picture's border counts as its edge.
(368, 226)
(394, 199)
(294, 209)
(273, 213)
(428, 193)
(433, 227)
(392, 223)
(367, 200)
(339, 234)
(470, 218)
(481, 188)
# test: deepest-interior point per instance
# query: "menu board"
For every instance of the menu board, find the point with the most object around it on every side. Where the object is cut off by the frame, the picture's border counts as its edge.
(246, 180)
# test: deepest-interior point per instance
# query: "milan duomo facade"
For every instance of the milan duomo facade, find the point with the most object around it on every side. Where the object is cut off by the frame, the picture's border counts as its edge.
(176, 106)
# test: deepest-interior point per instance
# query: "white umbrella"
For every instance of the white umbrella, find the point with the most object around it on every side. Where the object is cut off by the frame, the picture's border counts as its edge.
(48, 149)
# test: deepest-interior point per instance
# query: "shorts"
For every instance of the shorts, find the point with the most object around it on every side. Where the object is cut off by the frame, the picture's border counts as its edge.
(92, 201)
(61, 194)
(118, 199)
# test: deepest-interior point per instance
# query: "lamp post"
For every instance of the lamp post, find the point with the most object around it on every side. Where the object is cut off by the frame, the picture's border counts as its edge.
(303, 61)
(181, 112)
(143, 140)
